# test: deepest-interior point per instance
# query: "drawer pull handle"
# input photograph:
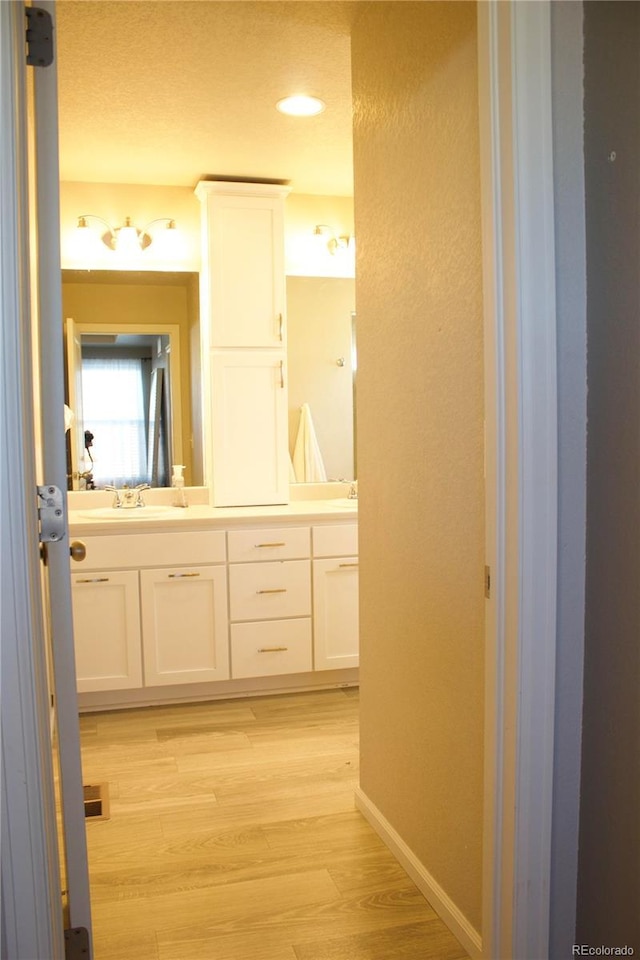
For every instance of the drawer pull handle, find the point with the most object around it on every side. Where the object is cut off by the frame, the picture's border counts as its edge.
(277, 590)
(272, 649)
(279, 544)
(280, 319)
(348, 564)
(178, 576)
(94, 580)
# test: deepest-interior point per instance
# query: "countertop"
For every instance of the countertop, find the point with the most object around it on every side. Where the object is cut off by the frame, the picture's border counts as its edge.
(202, 516)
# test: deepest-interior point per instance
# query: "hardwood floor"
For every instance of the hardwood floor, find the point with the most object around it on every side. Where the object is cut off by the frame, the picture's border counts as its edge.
(233, 836)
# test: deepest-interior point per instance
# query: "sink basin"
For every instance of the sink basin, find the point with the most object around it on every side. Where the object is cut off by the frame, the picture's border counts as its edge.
(131, 513)
(343, 502)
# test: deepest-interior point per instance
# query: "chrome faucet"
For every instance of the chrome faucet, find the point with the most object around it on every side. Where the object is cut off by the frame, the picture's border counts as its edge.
(128, 497)
(353, 487)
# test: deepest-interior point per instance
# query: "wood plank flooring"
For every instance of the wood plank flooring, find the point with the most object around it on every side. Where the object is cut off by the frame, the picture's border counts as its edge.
(233, 836)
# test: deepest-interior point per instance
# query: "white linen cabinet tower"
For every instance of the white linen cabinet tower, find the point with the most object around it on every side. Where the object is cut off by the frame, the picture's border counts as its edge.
(244, 342)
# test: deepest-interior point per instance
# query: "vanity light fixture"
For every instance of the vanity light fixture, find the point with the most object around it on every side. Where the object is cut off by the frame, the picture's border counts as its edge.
(301, 106)
(333, 243)
(127, 239)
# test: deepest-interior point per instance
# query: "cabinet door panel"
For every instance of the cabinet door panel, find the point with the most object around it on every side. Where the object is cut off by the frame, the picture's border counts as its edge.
(335, 610)
(247, 269)
(184, 625)
(106, 627)
(249, 428)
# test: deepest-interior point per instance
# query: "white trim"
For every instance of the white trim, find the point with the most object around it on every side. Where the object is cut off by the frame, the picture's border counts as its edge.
(538, 477)
(520, 324)
(31, 901)
(444, 906)
(494, 413)
(54, 465)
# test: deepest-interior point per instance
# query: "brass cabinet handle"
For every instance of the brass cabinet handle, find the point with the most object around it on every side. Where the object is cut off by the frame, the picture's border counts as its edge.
(348, 564)
(94, 580)
(280, 326)
(279, 590)
(271, 649)
(78, 550)
(279, 544)
(178, 576)
(282, 374)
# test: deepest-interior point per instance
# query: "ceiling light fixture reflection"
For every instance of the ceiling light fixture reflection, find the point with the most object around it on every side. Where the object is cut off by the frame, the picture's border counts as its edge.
(127, 239)
(301, 106)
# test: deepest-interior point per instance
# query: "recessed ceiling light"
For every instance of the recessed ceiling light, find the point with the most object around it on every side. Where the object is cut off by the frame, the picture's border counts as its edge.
(301, 106)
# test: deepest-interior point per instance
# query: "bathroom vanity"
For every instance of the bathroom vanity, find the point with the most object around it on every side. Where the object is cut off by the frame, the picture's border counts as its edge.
(223, 598)
(175, 605)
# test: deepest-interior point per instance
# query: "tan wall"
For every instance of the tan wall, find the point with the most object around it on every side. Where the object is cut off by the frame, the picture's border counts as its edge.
(420, 432)
(319, 332)
(139, 302)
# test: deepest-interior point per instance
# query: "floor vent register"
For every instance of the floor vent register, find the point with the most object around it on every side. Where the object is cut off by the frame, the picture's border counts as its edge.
(96, 801)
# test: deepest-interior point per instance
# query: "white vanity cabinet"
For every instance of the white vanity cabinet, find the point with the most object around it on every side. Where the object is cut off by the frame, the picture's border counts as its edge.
(335, 596)
(243, 342)
(229, 604)
(270, 601)
(106, 622)
(151, 625)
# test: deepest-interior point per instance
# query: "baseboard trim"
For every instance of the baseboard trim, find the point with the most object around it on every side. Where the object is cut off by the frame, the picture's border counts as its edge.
(431, 890)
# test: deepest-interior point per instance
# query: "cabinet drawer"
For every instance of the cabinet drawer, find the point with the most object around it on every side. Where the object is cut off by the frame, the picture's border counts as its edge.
(274, 543)
(335, 540)
(265, 591)
(267, 649)
(154, 549)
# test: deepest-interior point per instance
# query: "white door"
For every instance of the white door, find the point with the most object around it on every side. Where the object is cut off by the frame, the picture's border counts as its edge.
(32, 909)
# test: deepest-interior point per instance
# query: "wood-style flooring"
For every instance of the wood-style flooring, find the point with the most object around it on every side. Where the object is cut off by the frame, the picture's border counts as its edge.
(233, 836)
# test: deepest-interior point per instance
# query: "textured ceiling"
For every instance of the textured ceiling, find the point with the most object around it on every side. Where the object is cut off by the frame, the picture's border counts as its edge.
(170, 91)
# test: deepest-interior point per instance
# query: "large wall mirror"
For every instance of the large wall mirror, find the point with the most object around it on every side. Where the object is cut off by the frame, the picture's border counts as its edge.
(133, 376)
(149, 321)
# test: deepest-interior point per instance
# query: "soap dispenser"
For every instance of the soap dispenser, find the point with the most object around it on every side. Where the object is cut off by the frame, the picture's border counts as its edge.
(177, 482)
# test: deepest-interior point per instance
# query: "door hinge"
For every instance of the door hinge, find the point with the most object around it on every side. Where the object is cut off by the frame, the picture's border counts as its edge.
(487, 582)
(51, 513)
(76, 944)
(39, 36)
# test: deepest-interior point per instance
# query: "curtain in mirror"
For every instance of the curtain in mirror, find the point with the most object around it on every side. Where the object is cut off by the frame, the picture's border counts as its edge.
(114, 412)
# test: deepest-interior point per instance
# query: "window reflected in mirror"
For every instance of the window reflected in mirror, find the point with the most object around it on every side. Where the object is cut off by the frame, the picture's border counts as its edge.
(126, 408)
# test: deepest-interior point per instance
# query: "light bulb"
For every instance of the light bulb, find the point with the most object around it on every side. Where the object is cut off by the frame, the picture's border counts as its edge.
(127, 242)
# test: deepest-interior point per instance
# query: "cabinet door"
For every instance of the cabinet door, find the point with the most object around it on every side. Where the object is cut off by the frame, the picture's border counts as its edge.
(335, 613)
(247, 271)
(184, 625)
(249, 428)
(106, 627)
